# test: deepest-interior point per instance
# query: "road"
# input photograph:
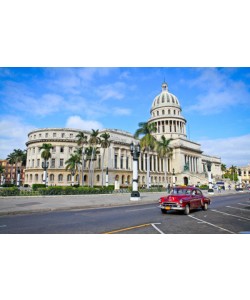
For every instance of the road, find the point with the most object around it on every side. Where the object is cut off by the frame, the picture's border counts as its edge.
(226, 215)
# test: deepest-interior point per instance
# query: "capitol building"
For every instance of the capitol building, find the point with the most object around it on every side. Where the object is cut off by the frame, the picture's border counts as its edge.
(187, 165)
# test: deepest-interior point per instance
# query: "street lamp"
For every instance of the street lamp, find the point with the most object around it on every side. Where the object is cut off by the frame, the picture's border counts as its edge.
(73, 177)
(173, 177)
(135, 152)
(240, 182)
(210, 184)
(107, 177)
(45, 165)
(18, 177)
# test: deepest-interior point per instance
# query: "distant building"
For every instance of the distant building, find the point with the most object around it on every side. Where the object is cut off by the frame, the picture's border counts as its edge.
(188, 164)
(10, 172)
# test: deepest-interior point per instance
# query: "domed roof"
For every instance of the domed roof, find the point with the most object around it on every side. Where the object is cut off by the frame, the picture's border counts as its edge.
(165, 98)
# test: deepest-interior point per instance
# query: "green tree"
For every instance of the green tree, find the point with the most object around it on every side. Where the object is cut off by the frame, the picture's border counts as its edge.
(72, 165)
(233, 171)
(105, 143)
(82, 141)
(164, 151)
(147, 142)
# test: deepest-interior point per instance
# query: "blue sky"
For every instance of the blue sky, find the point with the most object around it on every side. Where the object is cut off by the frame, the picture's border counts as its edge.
(214, 101)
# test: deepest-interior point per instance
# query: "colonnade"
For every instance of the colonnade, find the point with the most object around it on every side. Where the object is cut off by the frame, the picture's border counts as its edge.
(169, 126)
(192, 162)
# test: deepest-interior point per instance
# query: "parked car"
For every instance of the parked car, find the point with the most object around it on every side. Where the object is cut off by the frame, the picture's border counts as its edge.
(221, 184)
(184, 199)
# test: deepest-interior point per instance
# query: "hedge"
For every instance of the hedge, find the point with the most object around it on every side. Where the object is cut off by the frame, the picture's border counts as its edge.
(12, 191)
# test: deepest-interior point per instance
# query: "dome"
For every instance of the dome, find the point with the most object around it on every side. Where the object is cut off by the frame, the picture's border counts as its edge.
(165, 98)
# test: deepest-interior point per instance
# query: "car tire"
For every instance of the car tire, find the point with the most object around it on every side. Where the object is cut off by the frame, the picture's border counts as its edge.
(205, 206)
(163, 211)
(187, 210)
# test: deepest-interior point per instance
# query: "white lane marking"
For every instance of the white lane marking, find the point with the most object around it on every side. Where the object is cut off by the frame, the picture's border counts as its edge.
(243, 204)
(141, 209)
(156, 228)
(221, 212)
(238, 208)
(3, 226)
(211, 224)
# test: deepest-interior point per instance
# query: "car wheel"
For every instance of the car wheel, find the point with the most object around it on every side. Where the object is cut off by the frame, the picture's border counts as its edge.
(187, 210)
(205, 206)
(163, 211)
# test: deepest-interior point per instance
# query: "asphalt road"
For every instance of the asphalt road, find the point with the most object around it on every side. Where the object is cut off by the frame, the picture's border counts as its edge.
(226, 215)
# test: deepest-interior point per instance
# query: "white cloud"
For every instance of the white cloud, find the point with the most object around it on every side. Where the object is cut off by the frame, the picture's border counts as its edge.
(13, 135)
(111, 91)
(218, 92)
(233, 150)
(78, 123)
(122, 111)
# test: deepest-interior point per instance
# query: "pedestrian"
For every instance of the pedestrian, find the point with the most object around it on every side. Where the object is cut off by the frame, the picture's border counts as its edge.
(168, 188)
(219, 189)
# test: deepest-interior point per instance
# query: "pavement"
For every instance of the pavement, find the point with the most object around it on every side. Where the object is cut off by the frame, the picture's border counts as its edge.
(36, 204)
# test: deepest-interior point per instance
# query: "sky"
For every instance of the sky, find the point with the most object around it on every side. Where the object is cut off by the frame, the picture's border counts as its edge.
(214, 101)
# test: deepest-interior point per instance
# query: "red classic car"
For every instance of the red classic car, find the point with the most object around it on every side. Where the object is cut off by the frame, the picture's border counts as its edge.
(184, 199)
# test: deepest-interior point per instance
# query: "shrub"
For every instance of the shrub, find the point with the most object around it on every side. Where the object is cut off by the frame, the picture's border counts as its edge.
(35, 186)
(203, 187)
(12, 191)
(8, 185)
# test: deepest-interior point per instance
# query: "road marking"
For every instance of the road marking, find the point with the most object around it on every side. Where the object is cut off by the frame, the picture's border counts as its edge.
(243, 204)
(211, 224)
(141, 209)
(238, 208)
(3, 226)
(153, 224)
(127, 228)
(221, 212)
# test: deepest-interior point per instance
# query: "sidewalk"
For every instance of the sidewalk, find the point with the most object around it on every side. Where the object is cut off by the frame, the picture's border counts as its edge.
(34, 204)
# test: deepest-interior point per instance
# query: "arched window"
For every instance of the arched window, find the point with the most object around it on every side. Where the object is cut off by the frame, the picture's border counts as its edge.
(36, 177)
(51, 177)
(157, 113)
(169, 111)
(163, 112)
(97, 178)
(60, 177)
(30, 176)
(69, 177)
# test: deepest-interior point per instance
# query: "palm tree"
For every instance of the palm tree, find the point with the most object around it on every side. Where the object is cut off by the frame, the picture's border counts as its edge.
(147, 142)
(233, 170)
(91, 156)
(164, 151)
(72, 164)
(11, 160)
(46, 155)
(19, 156)
(105, 143)
(82, 140)
(94, 140)
(223, 169)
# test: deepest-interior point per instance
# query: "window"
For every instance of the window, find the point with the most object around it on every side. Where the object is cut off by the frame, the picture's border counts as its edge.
(46, 134)
(163, 112)
(53, 163)
(61, 149)
(127, 162)
(51, 177)
(38, 163)
(169, 112)
(68, 177)
(174, 112)
(97, 178)
(34, 136)
(60, 177)
(115, 166)
(40, 135)
(121, 162)
(61, 162)
(33, 150)
(33, 161)
(54, 134)
(157, 113)
(63, 135)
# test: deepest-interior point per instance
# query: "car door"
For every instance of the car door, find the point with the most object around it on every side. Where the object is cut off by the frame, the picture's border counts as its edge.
(193, 200)
(198, 199)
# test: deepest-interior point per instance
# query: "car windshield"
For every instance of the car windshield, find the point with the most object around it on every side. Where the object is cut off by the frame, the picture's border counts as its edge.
(179, 191)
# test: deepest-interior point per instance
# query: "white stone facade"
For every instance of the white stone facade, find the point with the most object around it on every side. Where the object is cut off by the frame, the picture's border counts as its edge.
(188, 160)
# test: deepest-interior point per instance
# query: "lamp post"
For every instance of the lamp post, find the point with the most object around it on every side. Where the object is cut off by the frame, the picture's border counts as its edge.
(73, 177)
(45, 165)
(107, 177)
(210, 184)
(240, 181)
(18, 177)
(173, 177)
(135, 152)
